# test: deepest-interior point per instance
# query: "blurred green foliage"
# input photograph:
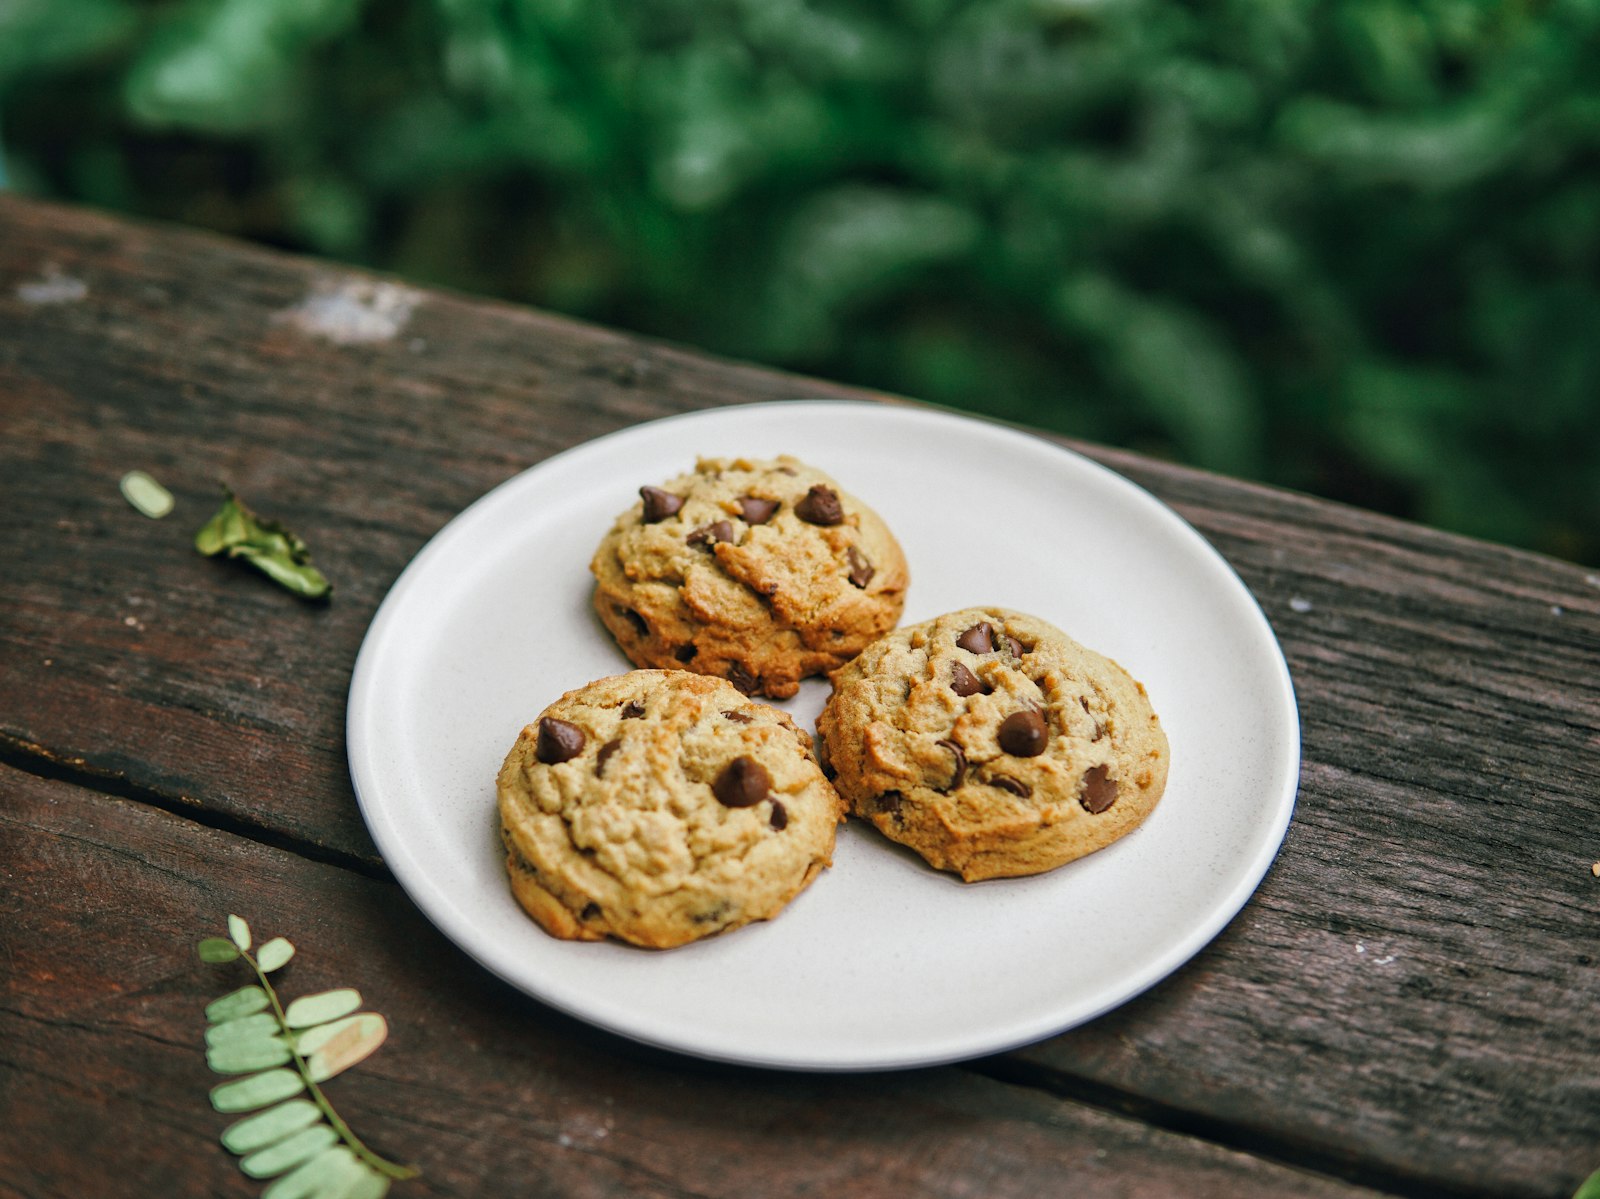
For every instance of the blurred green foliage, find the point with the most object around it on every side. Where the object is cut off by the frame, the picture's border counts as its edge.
(1352, 247)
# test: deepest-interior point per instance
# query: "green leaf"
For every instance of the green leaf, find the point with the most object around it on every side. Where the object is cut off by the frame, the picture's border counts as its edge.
(247, 1094)
(272, 549)
(1178, 366)
(301, 578)
(289, 1152)
(258, 1026)
(274, 954)
(274, 1124)
(145, 494)
(1590, 1188)
(353, 1040)
(367, 1184)
(326, 1176)
(243, 1002)
(321, 1007)
(318, 1035)
(216, 949)
(247, 1056)
(287, 1134)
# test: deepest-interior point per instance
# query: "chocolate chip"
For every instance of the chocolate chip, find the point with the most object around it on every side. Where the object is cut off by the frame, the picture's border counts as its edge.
(964, 682)
(710, 534)
(739, 717)
(756, 511)
(1016, 647)
(685, 653)
(820, 506)
(889, 803)
(1006, 783)
(979, 639)
(861, 570)
(558, 741)
(715, 914)
(1023, 734)
(780, 816)
(741, 677)
(960, 774)
(590, 911)
(658, 504)
(744, 782)
(606, 750)
(633, 618)
(1099, 790)
(632, 710)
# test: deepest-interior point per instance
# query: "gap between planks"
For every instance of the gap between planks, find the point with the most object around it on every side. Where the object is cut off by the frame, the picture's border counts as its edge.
(42, 762)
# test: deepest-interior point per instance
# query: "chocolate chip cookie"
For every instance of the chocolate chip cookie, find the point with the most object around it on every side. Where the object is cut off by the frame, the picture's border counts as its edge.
(992, 743)
(659, 807)
(759, 572)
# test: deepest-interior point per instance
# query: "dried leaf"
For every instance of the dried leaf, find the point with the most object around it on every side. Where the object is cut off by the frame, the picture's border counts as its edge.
(243, 1002)
(321, 1007)
(274, 954)
(355, 1041)
(216, 949)
(247, 1094)
(144, 493)
(289, 1152)
(248, 1056)
(239, 931)
(266, 1128)
(314, 1038)
(272, 549)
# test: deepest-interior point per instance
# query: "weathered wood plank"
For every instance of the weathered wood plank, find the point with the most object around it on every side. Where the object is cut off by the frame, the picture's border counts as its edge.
(1412, 982)
(179, 358)
(491, 1094)
(1407, 997)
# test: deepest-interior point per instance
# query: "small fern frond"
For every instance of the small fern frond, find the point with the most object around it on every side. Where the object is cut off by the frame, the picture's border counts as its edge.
(283, 1054)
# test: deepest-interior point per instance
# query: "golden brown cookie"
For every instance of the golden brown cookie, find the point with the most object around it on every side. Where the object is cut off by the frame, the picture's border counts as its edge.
(992, 743)
(759, 572)
(658, 807)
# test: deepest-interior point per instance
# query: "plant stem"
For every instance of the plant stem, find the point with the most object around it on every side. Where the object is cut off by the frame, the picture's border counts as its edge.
(380, 1164)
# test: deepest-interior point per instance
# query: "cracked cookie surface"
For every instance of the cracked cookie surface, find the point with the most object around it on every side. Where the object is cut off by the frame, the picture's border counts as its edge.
(761, 572)
(992, 743)
(659, 807)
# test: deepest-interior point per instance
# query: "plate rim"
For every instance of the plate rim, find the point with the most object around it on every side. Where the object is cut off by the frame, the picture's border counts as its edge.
(431, 902)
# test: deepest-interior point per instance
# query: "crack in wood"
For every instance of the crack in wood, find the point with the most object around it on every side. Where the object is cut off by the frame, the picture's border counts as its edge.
(1198, 1126)
(40, 761)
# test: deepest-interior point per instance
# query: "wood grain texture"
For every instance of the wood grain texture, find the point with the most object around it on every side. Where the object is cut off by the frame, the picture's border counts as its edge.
(1407, 1000)
(104, 1076)
(125, 650)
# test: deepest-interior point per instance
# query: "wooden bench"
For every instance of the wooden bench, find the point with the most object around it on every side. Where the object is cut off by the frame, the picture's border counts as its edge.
(1407, 1006)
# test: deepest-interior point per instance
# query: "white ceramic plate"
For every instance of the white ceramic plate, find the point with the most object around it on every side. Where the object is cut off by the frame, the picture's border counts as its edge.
(882, 962)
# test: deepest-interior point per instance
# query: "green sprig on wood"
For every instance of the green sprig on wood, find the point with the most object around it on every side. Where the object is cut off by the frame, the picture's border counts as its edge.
(265, 544)
(282, 1054)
